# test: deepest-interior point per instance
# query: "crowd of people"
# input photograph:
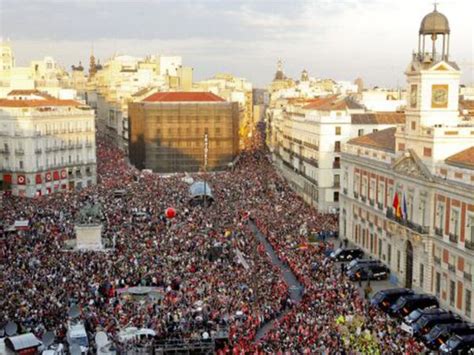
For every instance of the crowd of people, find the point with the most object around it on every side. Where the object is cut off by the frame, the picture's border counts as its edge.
(211, 271)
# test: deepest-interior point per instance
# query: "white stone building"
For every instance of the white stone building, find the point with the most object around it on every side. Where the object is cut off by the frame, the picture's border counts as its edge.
(306, 136)
(408, 192)
(46, 144)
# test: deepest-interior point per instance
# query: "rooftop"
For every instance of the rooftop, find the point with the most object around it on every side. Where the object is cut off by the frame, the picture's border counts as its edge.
(383, 140)
(183, 97)
(378, 118)
(333, 103)
(38, 103)
(463, 159)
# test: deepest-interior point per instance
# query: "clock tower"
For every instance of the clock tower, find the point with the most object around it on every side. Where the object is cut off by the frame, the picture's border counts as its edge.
(433, 127)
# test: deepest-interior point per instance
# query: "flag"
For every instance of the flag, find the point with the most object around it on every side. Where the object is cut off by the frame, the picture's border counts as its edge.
(396, 205)
(404, 207)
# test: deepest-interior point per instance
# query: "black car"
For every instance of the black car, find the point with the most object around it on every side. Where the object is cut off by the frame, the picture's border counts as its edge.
(442, 332)
(356, 262)
(409, 320)
(369, 272)
(347, 254)
(458, 344)
(428, 321)
(385, 298)
(406, 304)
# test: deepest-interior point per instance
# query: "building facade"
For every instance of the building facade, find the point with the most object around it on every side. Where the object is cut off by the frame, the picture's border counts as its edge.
(407, 195)
(183, 132)
(46, 144)
(306, 136)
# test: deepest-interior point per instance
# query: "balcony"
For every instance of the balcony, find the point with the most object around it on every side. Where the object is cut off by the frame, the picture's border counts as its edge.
(336, 184)
(48, 149)
(453, 238)
(363, 198)
(451, 268)
(4, 150)
(344, 191)
(336, 165)
(79, 145)
(439, 231)
(88, 145)
(380, 205)
(38, 151)
(409, 224)
(356, 194)
(371, 202)
(467, 276)
(71, 146)
(469, 244)
(437, 260)
(19, 151)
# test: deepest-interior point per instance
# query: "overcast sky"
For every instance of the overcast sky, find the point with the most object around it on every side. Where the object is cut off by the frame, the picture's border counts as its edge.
(340, 39)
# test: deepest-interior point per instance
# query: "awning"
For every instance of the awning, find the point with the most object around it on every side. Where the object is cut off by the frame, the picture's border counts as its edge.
(24, 341)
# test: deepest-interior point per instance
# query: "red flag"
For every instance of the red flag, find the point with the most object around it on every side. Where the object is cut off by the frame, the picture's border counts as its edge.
(396, 203)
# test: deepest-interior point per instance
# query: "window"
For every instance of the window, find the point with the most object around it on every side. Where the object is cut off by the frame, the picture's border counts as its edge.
(470, 229)
(346, 181)
(422, 274)
(375, 130)
(337, 146)
(389, 254)
(380, 192)
(380, 248)
(401, 146)
(468, 302)
(364, 186)
(399, 257)
(413, 125)
(336, 196)
(438, 284)
(372, 189)
(357, 183)
(440, 215)
(427, 152)
(422, 212)
(21, 164)
(360, 132)
(455, 222)
(338, 131)
(452, 292)
(410, 207)
(337, 180)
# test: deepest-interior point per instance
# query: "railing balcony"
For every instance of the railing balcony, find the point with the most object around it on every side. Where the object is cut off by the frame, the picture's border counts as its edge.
(356, 194)
(409, 224)
(380, 205)
(371, 202)
(344, 190)
(453, 238)
(451, 268)
(71, 146)
(88, 145)
(469, 244)
(38, 151)
(437, 260)
(467, 276)
(336, 165)
(19, 151)
(336, 184)
(363, 198)
(48, 149)
(439, 231)
(4, 151)
(63, 147)
(79, 145)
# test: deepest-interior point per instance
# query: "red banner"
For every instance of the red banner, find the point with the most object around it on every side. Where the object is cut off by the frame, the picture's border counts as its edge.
(7, 179)
(21, 180)
(48, 176)
(38, 179)
(63, 174)
(56, 175)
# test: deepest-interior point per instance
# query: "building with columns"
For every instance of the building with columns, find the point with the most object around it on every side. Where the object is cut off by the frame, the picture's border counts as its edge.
(407, 194)
(46, 144)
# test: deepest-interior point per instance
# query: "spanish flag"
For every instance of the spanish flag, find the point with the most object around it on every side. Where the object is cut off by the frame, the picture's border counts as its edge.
(397, 208)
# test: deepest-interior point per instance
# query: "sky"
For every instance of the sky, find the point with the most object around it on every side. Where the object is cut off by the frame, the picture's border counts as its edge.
(339, 39)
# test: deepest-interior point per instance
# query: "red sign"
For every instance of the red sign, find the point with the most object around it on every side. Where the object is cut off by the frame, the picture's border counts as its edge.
(21, 180)
(38, 179)
(7, 178)
(48, 176)
(63, 174)
(56, 175)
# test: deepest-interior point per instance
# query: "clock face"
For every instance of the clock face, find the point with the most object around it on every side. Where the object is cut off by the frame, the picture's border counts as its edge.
(413, 96)
(439, 96)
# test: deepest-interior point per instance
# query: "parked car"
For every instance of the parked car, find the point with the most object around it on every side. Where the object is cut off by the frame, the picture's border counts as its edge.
(442, 332)
(384, 299)
(410, 319)
(369, 271)
(406, 304)
(428, 321)
(458, 344)
(356, 262)
(347, 254)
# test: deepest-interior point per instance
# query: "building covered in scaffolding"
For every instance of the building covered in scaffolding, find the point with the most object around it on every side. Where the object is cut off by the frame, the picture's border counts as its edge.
(183, 132)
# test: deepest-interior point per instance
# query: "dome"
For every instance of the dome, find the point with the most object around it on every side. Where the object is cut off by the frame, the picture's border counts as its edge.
(434, 23)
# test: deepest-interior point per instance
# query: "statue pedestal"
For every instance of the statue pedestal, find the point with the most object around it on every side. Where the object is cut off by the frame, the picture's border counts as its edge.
(88, 236)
